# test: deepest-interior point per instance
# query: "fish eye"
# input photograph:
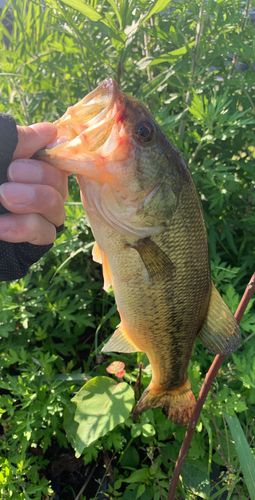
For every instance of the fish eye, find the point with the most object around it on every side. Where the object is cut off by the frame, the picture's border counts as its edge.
(144, 131)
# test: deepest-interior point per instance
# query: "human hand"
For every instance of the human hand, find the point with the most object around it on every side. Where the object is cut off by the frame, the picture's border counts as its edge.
(36, 192)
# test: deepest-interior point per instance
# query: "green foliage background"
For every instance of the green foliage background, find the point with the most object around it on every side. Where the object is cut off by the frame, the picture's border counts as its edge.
(177, 58)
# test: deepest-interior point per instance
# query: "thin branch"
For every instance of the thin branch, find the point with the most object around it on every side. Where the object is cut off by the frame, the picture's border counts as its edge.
(108, 465)
(150, 455)
(227, 464)
(87, 481)
(168, 458)
(138, 382)
(235, 58)
(106, 472)
(210, 376)
(194, 61)
(226, 431)
(249, 430)
(219, 441)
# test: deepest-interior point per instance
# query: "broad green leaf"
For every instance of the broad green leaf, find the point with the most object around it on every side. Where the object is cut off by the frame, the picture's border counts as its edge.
(136, 430)
(139, 476)
(148, 430)
(101, 405)
(244, 453)
(195, 478)
(84, 9)
(130, 458)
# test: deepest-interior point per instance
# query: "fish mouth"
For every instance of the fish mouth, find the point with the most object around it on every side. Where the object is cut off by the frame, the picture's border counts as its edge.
(88, 131)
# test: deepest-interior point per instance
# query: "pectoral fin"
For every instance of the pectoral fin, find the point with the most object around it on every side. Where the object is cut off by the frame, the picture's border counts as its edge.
(155, 260)
(96, 254)
(119, 342)
(100, 257)
(220, 333)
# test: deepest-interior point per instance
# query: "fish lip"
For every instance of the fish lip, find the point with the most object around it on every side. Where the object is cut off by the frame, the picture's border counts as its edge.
(111, 86)
(110, 90)
(74, 122)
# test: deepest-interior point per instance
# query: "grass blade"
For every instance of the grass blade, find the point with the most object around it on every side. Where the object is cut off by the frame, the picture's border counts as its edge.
(244, 453)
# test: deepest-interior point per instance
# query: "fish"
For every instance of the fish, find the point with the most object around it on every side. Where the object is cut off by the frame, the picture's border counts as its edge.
(150, 237)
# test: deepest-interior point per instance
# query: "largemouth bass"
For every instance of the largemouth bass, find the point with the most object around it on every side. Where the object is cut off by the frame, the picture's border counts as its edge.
(151, 239)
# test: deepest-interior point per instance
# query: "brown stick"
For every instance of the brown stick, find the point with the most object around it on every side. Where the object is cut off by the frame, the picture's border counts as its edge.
(138, 383)
(210, 376)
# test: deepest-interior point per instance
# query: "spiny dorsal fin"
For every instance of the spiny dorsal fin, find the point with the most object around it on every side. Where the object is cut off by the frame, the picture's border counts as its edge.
(155, 260)
(119, 342)
(220, 333)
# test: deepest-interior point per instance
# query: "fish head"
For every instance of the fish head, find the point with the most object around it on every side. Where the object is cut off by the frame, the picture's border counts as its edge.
(124, 163)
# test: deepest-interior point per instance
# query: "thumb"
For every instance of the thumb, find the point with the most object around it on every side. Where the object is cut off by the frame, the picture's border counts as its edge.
(33, 138)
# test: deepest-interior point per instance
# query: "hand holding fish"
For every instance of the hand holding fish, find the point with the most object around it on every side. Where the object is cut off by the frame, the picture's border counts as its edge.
(36, 192)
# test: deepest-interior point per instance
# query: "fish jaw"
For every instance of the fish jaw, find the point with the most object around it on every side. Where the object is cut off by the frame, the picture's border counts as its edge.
(89, 133)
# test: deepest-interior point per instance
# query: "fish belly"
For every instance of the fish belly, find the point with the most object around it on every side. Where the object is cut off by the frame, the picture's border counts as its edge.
(160, 315)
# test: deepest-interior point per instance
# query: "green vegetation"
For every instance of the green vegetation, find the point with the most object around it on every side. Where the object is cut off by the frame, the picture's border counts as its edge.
(177, 58)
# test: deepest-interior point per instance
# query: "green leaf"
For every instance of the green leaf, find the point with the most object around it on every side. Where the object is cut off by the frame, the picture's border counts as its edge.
(136, 430)
(101, 405)
(172, 56)
(70, 425)
(139, 476)
(244, 453)
(116, 11)
(83, 8)
(195, 478)
(158, 6)
(130, 458)
(148, 430)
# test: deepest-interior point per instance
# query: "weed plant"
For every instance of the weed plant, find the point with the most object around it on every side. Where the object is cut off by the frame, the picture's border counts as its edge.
(193, 64)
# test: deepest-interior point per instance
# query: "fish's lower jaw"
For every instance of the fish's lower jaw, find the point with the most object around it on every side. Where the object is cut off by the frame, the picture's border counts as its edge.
(178, 404)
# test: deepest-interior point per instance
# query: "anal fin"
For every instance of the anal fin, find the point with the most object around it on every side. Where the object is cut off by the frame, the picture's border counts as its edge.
(220, 333)
(119, 342)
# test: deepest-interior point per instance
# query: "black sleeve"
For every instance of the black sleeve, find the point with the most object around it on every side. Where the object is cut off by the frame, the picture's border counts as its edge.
(15, 258)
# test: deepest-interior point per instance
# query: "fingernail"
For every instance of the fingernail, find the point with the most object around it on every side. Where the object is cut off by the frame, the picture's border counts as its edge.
(44, 128)
(5, 223)
(17, 193)
(25, 171)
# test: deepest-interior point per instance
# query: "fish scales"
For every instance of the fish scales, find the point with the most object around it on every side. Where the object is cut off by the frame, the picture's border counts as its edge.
(151, 239)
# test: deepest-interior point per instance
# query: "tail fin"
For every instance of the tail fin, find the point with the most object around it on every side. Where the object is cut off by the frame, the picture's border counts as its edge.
(178, 403)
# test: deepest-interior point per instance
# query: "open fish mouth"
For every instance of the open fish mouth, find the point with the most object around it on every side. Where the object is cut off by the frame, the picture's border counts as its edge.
(89, 131)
